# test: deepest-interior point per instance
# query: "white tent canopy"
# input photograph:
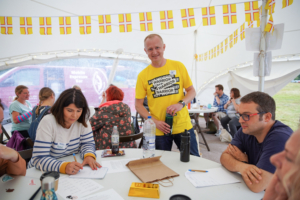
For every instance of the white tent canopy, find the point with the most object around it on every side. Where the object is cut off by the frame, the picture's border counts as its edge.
(232, 68)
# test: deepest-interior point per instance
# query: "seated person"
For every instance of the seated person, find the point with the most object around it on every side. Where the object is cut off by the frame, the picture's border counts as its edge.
(285, 183)
(112, 113)
(20, 111)
(47, 98)
(232, 107)
(260, 137)
(11, 162)
(64, 132)
(220, 100)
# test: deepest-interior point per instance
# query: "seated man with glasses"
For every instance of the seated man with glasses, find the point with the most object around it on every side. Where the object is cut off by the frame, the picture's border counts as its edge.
(259, 137)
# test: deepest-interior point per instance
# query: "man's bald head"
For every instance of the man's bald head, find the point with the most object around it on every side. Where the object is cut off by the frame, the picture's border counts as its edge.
(153, 36)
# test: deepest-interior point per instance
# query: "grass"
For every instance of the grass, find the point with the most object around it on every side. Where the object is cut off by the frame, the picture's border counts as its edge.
(288, 105)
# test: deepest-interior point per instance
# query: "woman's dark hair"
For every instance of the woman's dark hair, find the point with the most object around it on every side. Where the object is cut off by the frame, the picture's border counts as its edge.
(66, 98)
(1, 105)
(236, 92)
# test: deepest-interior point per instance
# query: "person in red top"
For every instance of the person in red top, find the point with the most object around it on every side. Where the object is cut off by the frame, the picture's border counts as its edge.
(11, 162)
(112, 112)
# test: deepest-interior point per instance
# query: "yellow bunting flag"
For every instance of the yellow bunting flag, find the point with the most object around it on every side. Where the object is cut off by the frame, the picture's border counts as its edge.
(270, 5)
(258, 23)
(250, 24)
(146, 21)
(205, 56)
(231, 40)
(229, 14)
(196, 57)
(188, 17)
(242, 31)
(222, 48)
(251, 11)
(226, 44)
(218, 50)
(85, 26)
(286, 3)
(65, 25)
(208, 16)
(215, 52)
(125, 24)
(166, 19)
(104, 23)
(200, 57)
(236, 36)
(45, 26)
(25, 25)
(6, 25)
(270, 25)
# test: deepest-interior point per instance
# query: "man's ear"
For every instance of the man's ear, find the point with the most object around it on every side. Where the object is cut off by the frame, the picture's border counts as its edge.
(268, 117)
(164, 46)
(145, 50)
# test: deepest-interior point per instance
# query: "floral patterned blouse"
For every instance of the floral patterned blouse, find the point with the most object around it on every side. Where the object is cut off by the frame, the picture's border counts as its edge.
(105, 119)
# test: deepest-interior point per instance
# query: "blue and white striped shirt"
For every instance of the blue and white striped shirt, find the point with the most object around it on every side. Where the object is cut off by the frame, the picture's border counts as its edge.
(53, 142)
(223, 100)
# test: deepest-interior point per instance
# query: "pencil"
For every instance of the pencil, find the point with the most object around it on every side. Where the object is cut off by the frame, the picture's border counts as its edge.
(195, 170)
(74, 157)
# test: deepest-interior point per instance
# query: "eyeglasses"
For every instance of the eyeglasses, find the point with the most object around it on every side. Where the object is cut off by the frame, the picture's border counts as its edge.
(247, 117)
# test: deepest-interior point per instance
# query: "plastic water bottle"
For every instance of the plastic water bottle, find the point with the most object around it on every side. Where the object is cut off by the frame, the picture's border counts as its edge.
(115, 140)
(149, 138)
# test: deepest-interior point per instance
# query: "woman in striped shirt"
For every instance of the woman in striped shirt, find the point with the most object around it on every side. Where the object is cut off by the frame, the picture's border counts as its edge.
(63, 132)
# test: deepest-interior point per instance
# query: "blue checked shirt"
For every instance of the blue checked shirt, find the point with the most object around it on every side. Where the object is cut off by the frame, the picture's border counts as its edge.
(223, 100)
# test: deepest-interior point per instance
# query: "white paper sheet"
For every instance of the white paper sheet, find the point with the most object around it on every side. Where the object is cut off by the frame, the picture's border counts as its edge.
(110, 194)
(115, 166)
(87, 172)
(76, 187)
(216, 176)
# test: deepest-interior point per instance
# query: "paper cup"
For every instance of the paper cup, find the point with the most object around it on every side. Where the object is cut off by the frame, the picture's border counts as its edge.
(55, 175)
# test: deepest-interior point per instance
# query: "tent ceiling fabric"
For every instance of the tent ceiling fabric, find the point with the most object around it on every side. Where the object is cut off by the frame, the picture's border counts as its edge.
(180, 42)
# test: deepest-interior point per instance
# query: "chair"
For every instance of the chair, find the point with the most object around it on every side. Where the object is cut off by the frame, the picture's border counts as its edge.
(26, 155)
(130, 138)
(198, 129)
(5, 122)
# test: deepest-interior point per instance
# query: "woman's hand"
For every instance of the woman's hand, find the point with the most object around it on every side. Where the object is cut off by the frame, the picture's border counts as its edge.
(7, 153)
(89, 160)
(73, 167)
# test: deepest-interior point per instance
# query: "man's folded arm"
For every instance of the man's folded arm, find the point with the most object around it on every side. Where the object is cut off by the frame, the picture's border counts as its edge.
(255, 178)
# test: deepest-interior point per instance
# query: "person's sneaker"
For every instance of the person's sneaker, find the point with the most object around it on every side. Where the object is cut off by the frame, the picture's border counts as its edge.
(218, 133)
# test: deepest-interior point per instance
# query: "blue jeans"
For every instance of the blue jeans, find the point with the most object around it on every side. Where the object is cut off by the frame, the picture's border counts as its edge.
(165, 142)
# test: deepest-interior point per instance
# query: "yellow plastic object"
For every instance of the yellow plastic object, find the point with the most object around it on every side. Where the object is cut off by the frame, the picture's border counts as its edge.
(144, 190)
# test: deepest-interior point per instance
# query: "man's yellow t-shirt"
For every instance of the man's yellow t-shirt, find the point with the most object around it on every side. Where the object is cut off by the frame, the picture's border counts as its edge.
(164, 87)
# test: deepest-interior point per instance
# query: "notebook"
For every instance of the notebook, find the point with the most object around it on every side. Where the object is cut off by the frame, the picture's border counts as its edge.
(18, 187)
(87, 172)
(215, 176)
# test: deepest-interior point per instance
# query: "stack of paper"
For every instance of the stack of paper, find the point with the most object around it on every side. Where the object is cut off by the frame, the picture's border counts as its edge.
(216, 176)
(87, 172)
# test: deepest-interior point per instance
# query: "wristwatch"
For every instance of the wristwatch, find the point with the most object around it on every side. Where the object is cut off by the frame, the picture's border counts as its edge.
(182, 102)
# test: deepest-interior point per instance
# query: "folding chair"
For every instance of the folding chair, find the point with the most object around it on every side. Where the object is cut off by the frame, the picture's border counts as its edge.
(130, 138)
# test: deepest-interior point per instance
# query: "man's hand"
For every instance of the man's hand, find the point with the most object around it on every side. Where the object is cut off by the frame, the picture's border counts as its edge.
(251, 174)
(161, 125)
(236, 153)
(173, 109)
(215, 94)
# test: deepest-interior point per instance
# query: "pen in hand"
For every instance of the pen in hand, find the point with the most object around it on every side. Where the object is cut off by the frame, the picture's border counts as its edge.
(75, 159)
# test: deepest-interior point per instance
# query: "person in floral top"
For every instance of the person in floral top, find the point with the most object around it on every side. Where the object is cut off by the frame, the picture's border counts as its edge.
(111, 113)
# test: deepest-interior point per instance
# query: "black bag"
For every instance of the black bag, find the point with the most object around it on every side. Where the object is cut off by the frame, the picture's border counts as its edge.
(135, 124)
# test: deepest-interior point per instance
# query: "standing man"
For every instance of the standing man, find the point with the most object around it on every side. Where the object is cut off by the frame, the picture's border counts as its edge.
(260, 137)
(220, 99)
(163, 82)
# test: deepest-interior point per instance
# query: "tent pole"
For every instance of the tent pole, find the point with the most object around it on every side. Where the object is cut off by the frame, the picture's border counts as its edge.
(195, 52)
(263, 22)
(114, 67)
